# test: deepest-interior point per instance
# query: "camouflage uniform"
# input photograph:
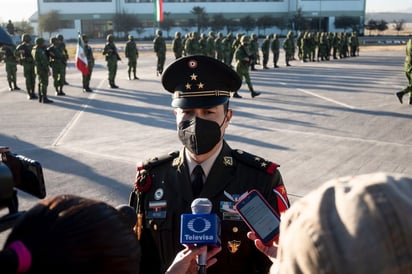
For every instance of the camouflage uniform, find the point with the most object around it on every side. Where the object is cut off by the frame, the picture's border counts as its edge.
(192, 45)
(243, 59)
(288, 47)
(7, 54)
(265, 51)
(159, 46)
(219, 47)
(42, 69)
(275, 47)
(111, 56)
(210, 48)
(203, 44)
(132, 53)
(24, 55)
(227, 49)
(408, 73)
(57, 63)
(90, 64)
(254, 51)
(62, 46)
(177, 45)
(354, 44)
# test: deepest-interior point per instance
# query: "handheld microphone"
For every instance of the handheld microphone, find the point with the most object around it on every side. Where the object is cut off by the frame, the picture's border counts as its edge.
(200, 228)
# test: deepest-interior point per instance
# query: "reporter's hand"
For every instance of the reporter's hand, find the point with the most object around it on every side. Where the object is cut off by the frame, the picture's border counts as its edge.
(185, 260)
(269, 250)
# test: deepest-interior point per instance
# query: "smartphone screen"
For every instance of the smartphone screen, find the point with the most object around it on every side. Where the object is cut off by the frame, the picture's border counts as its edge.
(259, 216)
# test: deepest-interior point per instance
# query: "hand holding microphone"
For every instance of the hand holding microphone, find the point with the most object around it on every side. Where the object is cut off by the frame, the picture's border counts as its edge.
(200, 228)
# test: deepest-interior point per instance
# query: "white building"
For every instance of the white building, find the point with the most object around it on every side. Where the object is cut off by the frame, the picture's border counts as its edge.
(94, 17)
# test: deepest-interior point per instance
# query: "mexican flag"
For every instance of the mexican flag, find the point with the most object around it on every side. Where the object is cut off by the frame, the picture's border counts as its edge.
(81, 60)
(159, 10)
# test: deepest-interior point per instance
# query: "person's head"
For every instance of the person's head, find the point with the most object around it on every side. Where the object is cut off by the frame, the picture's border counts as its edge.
(26, 38)
(357, 224)
(109, 38)
(40, 42)
(60, 37)
(201, 88)
(130, 37)
(53, 40)
(159, 32)
(177, 34)
(71, 234)
(244, 40)
(85, 38)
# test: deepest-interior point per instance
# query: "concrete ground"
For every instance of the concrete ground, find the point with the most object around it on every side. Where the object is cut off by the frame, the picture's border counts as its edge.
(318, 120)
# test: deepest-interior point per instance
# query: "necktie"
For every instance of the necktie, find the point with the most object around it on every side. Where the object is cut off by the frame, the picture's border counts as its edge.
(197, 183)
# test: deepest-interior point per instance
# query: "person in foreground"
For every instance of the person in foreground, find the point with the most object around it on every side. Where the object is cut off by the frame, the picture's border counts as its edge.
(206, 167)
(358, 224)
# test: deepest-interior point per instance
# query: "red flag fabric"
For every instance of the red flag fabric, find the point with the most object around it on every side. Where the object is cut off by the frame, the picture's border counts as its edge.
(81, 60)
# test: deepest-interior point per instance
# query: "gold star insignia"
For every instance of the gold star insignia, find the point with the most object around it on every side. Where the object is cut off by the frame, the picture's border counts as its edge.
(188, 86)
(257, 159)
(200, 85)
(263, 164)
(193, 77)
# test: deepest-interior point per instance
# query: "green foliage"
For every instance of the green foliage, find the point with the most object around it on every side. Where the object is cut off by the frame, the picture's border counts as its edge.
(49, 22)
(125, 22)
(202, 20)
(218, 22)
(347, 22)
(247, 23)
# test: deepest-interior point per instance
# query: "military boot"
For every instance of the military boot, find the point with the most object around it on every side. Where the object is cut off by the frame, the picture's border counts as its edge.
(410, 100)
(236, 95)
(61, 93)
(10, 87)
(46, 100)
(113, 85)
(400, 96)
(15, 85)
(135, 77)
(254, 93)
(128, 77)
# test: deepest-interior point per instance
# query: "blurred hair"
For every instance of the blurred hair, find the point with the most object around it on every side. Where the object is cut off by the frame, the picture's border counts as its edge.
(71, 234)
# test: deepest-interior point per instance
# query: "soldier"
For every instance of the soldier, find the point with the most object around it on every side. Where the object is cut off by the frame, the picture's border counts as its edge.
(227, 49)
(57, 63)
(354, 44)
(201, 88)
(24, 56)
(288, 47)
(275, 48)
(211, 49)
(7, 54)
(62, 46)
(254, 51)
(159, 46)
(90, 64)
(408, 73)
(243, 59)
(219, 47)
(177, 45)
(203, 44)
(111, 56)
(192, 45)
(265, 51)
(132, 53)
(42, 69)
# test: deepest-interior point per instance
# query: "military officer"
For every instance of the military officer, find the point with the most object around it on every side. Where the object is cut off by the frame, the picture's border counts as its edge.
(23, 54)
(42, 69)
(159, 47)
(111, 56)
(408, 73)
(243, 59)
(88, 51)
(163, 189)
(57, 63)
(7, 54)
(132, 54)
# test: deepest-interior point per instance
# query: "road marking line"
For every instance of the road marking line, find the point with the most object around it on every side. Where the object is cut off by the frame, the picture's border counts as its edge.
(326, 98)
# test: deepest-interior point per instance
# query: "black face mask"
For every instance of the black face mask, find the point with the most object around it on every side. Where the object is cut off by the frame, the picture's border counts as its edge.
(198, 135)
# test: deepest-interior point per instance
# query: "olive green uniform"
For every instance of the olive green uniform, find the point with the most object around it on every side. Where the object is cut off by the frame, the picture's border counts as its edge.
(159, 47)
(7, 54)
(168, 194)
(88, 51)
(132, 54)
(42, 71)
(265, 51)
(275, 48)
(177, 46)
(62, 46)
(408, 73)
(58, 64)
(111, 56)
(24, 55)
(288, 47)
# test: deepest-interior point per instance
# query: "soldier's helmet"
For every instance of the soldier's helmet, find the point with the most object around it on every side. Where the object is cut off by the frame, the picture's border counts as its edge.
(211, 34)
(39, 41)
(254, 36)
(84, 37)
(26, 38)
(275, 36)
(244, 39)
(203, 36)
(109, 38)
(159, 32)
(60, 37)
(53, 40)
(268, 37)
(130, 37)
(177, 34)
(219, 34)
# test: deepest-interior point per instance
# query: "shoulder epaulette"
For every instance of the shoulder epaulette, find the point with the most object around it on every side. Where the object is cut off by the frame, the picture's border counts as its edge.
(255, 161)
(156, 161)
(143, 180)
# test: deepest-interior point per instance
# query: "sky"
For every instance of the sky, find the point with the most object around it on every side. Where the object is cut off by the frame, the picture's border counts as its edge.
(18, 10)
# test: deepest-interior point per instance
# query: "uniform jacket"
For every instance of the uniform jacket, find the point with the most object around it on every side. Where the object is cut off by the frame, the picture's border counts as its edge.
(169, 195)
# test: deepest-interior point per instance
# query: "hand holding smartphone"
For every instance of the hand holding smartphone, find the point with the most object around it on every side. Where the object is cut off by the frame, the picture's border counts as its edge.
(259, 216)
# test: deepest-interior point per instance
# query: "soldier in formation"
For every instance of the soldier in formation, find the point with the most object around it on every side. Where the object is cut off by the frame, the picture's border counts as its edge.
(408, 74)
(112, 57)
(58, 64)
(177, 45)
(159, 47)
(41, 60)
(7, 55)
(132, 54)
(65, 53)
(90, 64)
(24, 56)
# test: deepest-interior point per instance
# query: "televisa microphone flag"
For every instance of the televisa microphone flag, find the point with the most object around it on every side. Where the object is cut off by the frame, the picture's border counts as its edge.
(81, 60)
(159, 10)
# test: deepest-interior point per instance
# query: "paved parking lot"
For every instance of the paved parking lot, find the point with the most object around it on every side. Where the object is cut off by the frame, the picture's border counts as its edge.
(318, 120)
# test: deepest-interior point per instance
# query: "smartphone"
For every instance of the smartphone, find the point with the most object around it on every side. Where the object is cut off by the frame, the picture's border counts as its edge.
(259, 216)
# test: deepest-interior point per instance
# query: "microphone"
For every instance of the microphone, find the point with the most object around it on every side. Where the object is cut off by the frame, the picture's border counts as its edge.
(200, 228)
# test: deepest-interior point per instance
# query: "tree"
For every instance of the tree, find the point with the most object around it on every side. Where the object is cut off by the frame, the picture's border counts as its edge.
(125, 22)
(232, 25)
(346, 22)
(49, 22)
(23, 27)
(265, 22)
(201, 18)
(281, 23)
(371, 25)
(299, 21)
(382, 25)
(398, 25)
(218, 22)
(247, 23)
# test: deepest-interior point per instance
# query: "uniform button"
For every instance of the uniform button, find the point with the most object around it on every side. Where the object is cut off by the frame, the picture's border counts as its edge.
(155, 227)
(235, 229)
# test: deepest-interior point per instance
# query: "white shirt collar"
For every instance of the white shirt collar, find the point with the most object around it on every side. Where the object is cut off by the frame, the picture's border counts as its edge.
(206, 165)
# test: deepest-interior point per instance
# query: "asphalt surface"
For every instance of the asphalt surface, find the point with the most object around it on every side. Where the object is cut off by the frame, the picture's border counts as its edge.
(318, 120)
